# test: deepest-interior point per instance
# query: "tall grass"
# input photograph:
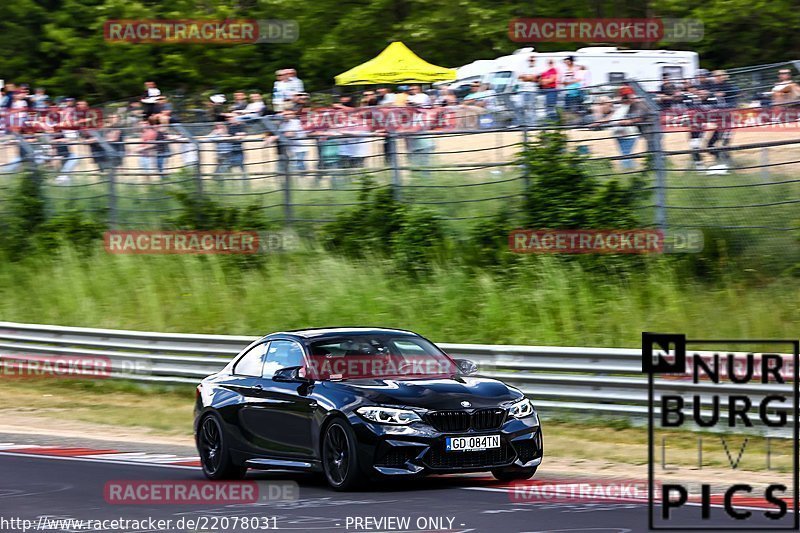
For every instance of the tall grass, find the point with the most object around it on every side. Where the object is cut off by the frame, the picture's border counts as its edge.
(542, 301)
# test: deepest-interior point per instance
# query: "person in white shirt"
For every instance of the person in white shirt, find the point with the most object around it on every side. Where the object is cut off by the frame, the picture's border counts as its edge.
(417, 98)
(254, 109)
(150, 98)
(386, 96)
(280, 91)
(528, 87)
(299, 145)
(294, 84)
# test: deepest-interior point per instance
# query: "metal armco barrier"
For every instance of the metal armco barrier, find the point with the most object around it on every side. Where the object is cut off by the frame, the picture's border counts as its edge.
(584, 381)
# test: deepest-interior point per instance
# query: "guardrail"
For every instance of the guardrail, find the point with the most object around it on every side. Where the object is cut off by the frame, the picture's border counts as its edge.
(588, 381)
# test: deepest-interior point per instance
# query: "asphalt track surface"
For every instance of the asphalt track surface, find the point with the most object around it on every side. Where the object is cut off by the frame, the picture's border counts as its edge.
(33, 486)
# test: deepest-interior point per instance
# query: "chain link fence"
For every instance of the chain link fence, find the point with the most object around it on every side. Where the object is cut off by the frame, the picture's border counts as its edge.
(465, 172)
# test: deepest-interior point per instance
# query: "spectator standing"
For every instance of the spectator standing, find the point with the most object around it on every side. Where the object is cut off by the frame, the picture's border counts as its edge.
(293, 83)
(548, 85)
(147, 147)
(385, 96)
(150, 99)
(702, 81)
(570, 81)
(280, 91)
(40, 100)
(725, 95)
(162, 145)
(8, 95)
(528, 87)
(624, 121)
(222, 140)
(239, 103)
(369, 99)
(298, 147)
(401, 98)
(696, 106)
(255, 109)
(417, 98)
(237, 133)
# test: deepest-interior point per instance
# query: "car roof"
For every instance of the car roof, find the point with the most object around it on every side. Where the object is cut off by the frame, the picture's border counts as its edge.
(321, 333)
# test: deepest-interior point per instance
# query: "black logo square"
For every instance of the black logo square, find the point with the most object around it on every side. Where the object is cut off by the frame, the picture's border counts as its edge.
(654, 343)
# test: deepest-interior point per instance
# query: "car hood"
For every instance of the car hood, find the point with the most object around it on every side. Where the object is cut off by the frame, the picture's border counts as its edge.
(435, 394)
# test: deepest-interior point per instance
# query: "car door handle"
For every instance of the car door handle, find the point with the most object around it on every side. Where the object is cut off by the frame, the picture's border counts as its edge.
(258, 387)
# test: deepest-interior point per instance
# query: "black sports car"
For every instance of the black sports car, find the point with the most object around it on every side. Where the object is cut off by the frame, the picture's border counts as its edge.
(358, 403)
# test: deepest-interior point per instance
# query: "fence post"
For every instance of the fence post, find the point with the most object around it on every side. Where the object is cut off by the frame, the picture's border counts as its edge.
(526, 171)
(110, 154)
(659, 168)
(198, 182)
(654, 136)
(397, 180)
(287, 184)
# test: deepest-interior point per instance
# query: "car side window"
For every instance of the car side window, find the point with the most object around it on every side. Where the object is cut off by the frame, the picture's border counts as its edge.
(252, 362)
(282, 354)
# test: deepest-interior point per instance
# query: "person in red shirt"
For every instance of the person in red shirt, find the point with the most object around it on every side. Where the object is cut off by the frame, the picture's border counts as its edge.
(548, 84)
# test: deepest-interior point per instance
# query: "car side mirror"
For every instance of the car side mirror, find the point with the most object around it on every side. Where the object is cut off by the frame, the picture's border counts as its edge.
(466, 367)
(290, 374)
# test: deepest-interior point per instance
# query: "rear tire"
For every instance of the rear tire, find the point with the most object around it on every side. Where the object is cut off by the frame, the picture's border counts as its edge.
(215, 456)
(340, 458)
(516, 474)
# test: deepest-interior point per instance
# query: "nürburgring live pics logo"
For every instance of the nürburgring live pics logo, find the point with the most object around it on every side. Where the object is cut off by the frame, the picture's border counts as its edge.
(737, 394)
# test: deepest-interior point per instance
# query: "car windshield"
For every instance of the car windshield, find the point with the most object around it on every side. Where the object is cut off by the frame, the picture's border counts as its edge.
(377, 356)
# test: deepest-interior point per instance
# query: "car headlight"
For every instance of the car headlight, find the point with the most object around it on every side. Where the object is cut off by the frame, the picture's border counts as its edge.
(522, 408)
(388, 415)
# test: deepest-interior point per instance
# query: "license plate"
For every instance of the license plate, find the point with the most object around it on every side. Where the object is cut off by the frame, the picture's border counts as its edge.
(471, 444)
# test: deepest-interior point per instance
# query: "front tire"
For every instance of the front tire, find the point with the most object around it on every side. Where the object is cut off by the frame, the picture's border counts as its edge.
(516, 474)
(215, 457)
(340, 457)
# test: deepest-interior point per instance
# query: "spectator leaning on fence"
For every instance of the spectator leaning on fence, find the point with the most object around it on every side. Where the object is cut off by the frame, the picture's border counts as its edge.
(571, 83)
(548, 85)
(624, 123)
(786, 90)
(222, 142)
(417, 98)
(255, 109)
(528, 87)
(385, 96)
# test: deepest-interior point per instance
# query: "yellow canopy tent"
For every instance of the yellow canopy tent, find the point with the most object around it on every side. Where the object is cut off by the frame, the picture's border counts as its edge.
(396, 64)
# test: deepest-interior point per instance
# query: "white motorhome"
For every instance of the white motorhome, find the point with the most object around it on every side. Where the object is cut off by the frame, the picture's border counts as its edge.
(606, 64)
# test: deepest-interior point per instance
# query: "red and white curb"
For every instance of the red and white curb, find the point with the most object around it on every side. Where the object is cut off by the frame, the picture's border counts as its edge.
(8, 448)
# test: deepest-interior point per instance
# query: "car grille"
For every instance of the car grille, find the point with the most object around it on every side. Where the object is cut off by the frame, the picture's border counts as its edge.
(438, 458)
(480, 419)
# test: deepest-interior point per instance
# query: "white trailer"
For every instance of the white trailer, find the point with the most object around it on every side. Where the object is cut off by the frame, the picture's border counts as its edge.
(605, 64)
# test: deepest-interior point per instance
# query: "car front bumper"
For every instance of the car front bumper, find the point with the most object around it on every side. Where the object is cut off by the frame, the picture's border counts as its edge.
(419, 448)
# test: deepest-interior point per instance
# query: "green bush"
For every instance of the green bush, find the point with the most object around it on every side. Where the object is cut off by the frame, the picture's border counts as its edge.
(563, 194)
(419, 242)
